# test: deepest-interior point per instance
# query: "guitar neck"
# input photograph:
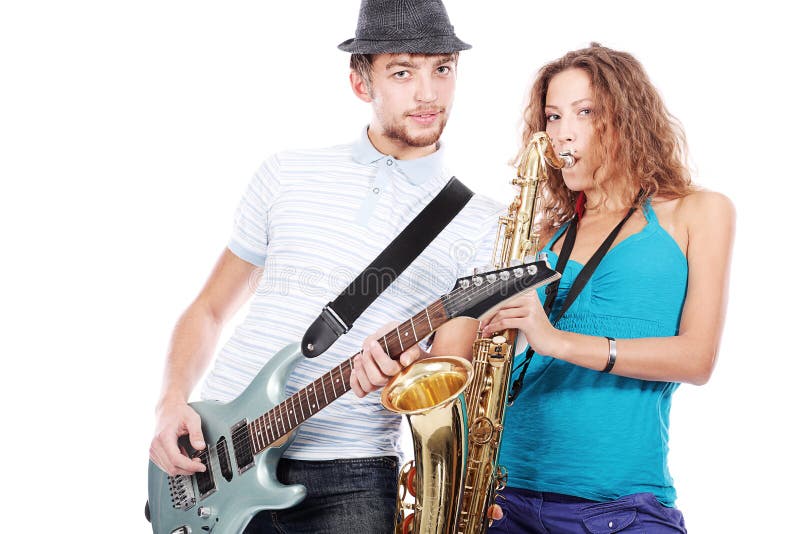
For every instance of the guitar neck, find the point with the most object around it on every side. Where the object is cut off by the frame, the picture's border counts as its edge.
(289, 414)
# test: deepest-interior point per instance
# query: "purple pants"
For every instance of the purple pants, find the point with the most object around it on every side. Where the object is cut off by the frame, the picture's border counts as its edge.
(533, 512)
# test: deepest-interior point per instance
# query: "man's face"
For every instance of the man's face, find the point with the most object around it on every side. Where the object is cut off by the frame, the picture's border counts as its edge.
(411, 96)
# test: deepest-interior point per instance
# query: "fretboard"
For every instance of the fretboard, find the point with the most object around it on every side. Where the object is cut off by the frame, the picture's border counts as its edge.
(286, 416)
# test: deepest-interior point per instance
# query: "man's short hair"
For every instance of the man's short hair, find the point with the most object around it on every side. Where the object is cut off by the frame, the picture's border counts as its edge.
(361, 64)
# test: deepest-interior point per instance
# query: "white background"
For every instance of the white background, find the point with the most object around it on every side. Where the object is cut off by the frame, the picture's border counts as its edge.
(128, 130)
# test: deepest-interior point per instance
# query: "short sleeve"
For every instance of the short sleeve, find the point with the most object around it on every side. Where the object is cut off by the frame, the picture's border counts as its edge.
(250, 235)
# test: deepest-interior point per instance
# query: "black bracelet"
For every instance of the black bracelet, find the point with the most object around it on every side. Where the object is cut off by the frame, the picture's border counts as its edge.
(612, 354)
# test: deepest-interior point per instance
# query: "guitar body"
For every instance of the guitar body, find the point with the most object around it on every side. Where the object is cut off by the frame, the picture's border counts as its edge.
(225, 506)
(244, 444)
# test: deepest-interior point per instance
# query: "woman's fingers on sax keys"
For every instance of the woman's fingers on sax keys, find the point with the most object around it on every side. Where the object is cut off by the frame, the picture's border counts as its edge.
(522, 312)
(502, 319)
(494, 513)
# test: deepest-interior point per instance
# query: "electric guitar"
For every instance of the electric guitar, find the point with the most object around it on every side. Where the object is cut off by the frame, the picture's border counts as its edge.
(245, 442)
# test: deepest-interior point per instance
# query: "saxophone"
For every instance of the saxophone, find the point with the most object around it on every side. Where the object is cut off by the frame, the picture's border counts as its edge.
(492, 358)
(455, 409)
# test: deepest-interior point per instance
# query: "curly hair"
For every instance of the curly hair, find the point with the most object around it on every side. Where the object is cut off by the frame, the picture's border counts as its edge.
(640, 141)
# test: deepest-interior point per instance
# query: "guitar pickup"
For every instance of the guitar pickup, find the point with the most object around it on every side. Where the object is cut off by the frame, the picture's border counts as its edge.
(204, 479)
(224, 459)
(242, 451)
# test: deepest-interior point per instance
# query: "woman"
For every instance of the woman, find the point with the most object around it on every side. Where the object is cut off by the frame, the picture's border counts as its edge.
(585, 442)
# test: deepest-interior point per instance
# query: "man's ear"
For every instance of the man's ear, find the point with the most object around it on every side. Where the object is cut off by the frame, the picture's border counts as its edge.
(359, 86)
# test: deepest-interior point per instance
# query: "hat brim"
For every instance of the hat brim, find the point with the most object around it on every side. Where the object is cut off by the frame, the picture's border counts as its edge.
(435, 44)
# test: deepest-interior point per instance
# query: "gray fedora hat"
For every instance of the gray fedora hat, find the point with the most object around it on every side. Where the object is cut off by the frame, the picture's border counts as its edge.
(403, 26)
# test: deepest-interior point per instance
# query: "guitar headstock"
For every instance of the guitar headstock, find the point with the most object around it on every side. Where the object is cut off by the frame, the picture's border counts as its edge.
(476, 295)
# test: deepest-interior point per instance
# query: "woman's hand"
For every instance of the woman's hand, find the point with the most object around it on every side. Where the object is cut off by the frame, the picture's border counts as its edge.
(525, 313)
(494, 513)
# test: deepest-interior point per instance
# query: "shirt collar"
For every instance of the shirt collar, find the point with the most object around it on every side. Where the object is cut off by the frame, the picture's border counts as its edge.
(417, 171)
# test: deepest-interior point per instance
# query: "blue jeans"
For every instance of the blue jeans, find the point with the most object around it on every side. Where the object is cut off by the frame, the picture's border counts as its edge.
(356, 495)
(534, 512)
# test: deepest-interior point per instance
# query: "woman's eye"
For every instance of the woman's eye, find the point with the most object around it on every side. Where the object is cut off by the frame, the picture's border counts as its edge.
(401, 74)
(585, 111)
(552, 117)
(444, 69)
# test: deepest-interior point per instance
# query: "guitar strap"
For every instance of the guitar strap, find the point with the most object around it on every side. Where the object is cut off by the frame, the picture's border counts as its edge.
(338, 316)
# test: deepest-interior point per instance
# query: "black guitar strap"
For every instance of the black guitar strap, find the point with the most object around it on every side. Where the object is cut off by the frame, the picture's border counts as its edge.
(580, 281)
(338, 316)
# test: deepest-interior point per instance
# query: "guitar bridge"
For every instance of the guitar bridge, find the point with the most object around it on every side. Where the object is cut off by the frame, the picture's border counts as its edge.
(181, 492)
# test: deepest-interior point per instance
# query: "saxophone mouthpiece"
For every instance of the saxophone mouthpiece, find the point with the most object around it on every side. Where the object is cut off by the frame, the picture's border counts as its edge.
(567, 158)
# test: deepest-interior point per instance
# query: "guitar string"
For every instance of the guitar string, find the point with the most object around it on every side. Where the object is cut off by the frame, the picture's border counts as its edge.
(326, 381)
(282, 410)
(455, 297)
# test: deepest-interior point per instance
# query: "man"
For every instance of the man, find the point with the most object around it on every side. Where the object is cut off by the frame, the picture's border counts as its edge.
(308, 223)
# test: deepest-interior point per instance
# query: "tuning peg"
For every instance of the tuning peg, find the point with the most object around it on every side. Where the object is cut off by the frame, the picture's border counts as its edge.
(518, 272)
(532, 269)
(505, 275)
(477, 280)
(464, 283)
(491, 278)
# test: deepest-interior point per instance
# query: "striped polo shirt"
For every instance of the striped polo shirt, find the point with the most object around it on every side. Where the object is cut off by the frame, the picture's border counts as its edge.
(314, 219)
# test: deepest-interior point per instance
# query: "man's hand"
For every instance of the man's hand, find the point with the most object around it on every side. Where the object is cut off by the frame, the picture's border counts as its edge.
(373, 368)
(176, 419)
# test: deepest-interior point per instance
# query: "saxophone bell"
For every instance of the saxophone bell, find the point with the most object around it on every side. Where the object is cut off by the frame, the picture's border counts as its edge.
(430, 394)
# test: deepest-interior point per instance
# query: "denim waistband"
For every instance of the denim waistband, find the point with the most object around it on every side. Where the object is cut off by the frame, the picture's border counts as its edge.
(382, 460)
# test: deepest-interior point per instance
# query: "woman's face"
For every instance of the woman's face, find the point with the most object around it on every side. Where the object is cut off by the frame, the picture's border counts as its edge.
(569, 112)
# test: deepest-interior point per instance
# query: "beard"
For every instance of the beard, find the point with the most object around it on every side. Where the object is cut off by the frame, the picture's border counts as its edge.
(398, 131)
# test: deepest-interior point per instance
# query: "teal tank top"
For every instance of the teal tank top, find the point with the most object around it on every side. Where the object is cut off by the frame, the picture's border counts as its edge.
(589, 434)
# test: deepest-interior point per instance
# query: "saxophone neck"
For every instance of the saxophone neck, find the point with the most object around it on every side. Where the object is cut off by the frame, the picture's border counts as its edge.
(520, 237)
(539, 152)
